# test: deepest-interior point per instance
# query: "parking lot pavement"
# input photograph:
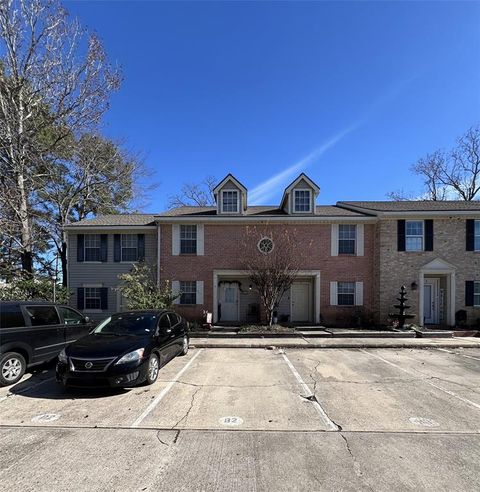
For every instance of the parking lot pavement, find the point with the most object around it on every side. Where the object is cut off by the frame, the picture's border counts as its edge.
(246, 419)
(395, 390)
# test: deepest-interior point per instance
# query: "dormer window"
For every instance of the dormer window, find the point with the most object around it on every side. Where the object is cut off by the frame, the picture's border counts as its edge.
(230, 201)
(302, 201)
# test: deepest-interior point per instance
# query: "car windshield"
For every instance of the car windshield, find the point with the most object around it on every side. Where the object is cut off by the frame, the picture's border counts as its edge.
(128, 324)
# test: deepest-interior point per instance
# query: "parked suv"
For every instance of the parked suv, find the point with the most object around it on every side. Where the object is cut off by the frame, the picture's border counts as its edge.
(32, 332)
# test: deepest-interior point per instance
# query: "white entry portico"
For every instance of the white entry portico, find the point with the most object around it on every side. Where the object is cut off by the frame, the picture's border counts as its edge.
(433, 299)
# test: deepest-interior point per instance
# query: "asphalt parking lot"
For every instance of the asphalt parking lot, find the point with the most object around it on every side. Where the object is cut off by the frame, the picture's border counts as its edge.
(253, 419)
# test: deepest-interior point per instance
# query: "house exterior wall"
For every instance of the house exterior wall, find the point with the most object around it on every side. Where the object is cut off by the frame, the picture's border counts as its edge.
(397, 268)
(104, 273)
(225, 245)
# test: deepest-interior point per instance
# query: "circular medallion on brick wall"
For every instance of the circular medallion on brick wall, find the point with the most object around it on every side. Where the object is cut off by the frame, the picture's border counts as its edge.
(265, 245)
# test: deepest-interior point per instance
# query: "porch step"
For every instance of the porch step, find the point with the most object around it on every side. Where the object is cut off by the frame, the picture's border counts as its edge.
(466, 333)
(434, 333)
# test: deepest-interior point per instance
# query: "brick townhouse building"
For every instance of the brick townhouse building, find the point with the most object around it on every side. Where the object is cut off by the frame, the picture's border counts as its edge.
(354, 257)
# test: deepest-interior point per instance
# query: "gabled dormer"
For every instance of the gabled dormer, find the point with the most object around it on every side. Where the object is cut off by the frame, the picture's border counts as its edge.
(231, 196)
(300, 196)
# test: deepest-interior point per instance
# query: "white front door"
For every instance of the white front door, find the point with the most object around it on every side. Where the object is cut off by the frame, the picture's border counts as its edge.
(431, 304)
(300, 302)
(229, 302)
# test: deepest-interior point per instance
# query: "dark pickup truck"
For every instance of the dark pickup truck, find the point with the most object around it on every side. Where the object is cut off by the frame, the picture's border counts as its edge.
(33, 332)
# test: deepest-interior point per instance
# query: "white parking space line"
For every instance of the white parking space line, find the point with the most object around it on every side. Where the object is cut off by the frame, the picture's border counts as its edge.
(165, 390)
(308, 392)
(414, 373)
(461, 355)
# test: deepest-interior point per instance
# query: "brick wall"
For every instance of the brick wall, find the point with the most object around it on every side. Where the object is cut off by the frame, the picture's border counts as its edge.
(402, 268)
(226, 245)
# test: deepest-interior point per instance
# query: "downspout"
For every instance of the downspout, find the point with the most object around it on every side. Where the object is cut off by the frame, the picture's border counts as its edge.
(158, 254)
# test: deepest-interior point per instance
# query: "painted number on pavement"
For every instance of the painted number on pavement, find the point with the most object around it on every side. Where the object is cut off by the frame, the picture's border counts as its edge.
(46, 417)
(231, 421)
(424, 422)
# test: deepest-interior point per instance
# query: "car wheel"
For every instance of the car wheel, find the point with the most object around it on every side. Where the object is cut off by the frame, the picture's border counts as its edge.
(184, 346)
(152, 369)
(12, 368)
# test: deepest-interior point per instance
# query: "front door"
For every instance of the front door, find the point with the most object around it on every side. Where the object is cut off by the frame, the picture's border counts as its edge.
(300, 302)
(431, 304)
(229, 302)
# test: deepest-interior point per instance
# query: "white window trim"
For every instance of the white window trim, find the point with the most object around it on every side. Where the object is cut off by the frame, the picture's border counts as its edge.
(85, 248)
(180, 240)
(309, 211)
(92, 286)
(355, 249)
(409, 235)
(238, 201)
(475, 236)
(474, 284)
(122, 248)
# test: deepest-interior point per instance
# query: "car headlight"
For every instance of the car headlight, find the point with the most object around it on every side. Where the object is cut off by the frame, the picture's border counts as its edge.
(62, 356)
(131, 356)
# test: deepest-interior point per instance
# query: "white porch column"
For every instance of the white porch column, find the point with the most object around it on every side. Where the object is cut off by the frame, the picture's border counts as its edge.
(317, 298)
(421, 286)
(452, 291)
(215, 297)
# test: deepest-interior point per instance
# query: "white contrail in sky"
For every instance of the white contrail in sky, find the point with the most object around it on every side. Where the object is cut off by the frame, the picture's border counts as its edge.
(269, 188)
(264, 191)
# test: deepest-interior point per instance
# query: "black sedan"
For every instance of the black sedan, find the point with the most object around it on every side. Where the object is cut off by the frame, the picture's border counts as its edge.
(124, 350)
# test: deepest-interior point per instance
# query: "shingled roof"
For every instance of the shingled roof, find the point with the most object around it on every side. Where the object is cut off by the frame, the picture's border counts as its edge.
(261, 210)
(414, 206)
(116, 220)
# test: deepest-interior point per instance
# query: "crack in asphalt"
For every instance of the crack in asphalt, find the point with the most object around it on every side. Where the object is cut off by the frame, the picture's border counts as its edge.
(187, 413)
(231, 385)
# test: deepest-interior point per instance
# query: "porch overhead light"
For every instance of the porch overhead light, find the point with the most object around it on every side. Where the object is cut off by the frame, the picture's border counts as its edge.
(414, 285)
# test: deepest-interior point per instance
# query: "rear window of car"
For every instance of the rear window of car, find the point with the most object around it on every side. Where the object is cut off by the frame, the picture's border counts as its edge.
(11, 316)
(43, 315)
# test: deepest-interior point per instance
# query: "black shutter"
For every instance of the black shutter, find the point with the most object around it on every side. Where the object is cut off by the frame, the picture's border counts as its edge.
(104, 247)
(429, 235)
(470, 234)
(469, 289)
(117, 249)
(401, 235)
(104, 298)
(80, 247)
(140, 247)
(80, 298)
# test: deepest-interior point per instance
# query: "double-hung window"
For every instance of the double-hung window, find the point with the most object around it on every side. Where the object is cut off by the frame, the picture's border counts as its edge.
(93, 298)
(477, 236)
(188, 239)
(188, 292)
(129, 245)
(302, 202)
(346, 293)
(476, 294)
(414, 235)
(230, 201)
(347, 236)
(92, 247)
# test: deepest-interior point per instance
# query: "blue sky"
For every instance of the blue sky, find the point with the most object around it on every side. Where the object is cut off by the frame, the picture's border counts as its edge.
(352, 93)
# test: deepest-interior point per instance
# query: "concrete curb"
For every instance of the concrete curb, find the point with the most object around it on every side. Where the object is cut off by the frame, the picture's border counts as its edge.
(338, 345)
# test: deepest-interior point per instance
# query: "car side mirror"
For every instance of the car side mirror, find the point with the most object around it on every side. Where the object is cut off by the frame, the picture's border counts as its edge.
(86, 320)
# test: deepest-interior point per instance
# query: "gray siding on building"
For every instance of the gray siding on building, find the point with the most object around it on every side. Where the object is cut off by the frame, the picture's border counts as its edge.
(106, 274)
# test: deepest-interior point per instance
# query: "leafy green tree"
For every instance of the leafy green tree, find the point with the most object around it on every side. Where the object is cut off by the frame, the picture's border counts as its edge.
(140, 290)
(26, 287)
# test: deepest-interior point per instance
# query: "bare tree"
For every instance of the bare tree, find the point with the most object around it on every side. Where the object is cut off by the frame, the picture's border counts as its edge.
(272, 264)
(195, 194)
(55, 82)
(450, 174)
